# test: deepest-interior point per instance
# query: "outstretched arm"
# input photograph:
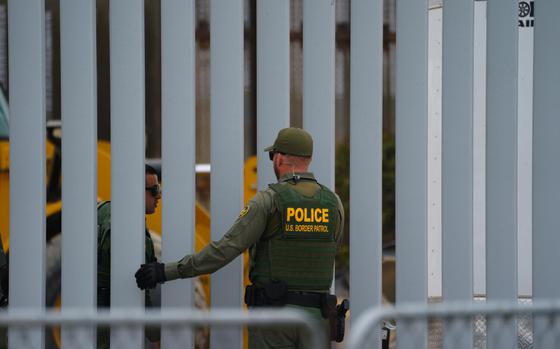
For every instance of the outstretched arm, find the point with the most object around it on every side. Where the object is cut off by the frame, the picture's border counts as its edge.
(245, 232)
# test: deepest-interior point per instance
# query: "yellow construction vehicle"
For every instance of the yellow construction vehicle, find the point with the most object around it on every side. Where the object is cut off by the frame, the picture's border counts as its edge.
(54, 208)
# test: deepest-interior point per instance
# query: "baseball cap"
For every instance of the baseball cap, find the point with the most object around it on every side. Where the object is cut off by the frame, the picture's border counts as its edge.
(293, 141)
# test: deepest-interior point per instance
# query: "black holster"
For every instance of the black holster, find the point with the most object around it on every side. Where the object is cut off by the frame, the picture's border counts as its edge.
(337, 320)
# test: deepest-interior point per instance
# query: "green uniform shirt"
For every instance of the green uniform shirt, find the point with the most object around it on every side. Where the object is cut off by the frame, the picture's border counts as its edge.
(249, 227)
(104, 254)
(104, 270)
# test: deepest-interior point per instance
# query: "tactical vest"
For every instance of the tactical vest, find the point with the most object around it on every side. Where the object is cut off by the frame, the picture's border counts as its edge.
(302, 250)
(104, 252)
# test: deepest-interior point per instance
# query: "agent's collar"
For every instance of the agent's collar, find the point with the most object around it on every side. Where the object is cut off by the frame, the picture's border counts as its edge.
(297, 176)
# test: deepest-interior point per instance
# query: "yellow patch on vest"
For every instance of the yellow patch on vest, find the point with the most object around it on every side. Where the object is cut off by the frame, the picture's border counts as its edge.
(244, 211)
(306, 219)
(309, 216)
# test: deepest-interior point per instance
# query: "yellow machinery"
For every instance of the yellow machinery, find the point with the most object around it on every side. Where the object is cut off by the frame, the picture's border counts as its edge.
(54, 204)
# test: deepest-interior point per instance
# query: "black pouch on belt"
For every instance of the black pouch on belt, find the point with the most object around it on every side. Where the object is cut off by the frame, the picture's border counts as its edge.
(275, 293)
(272, 294)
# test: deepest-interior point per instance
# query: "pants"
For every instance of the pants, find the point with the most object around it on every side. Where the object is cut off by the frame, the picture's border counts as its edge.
(285, 337)
(103, 338)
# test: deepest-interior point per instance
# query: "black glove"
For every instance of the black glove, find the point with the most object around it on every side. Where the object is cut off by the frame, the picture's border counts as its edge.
(4, 278)
(149, 275)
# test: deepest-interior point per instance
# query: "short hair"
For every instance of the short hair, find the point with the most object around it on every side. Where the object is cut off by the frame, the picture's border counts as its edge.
(298, 160)
(150, 170)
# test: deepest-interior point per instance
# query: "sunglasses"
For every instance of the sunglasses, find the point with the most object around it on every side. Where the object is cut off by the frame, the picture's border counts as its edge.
(155, 190)
(271, 154)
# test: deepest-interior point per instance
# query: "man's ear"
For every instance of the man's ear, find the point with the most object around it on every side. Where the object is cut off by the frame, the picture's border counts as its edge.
(279, 159)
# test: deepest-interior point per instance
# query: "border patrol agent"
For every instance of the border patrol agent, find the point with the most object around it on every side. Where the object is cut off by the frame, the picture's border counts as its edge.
(153, 194)
(292, 230)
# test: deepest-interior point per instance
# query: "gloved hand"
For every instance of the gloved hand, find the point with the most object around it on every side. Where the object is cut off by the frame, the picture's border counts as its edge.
(149, 275)
(4, 277)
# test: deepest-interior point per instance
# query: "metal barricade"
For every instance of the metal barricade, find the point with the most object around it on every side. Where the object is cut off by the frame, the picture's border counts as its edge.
(537, 321)
(81, 321)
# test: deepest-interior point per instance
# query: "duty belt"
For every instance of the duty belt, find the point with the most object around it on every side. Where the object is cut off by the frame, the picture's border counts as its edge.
(305, 299)
(261, 296)
(277, 294)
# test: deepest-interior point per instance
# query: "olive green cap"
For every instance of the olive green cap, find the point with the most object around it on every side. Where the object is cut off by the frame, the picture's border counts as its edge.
(293, 141)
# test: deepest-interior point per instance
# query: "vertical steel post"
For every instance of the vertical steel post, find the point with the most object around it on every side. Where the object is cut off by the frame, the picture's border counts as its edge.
(26, 37)
(227, 86)
(273, 79)
(79, 165)
(411, 165)
(546, 165)
(127, 157)
(366, 143)
(435, 43)
(457, 163)
(479, 149)
(178, 153)
(318, 85)
(525, 150)
(501, 164)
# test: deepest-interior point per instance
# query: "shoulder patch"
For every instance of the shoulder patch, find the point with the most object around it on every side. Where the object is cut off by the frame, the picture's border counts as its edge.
(244, 211)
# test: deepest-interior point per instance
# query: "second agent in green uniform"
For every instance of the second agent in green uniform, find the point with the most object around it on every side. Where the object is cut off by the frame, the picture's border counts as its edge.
(292, 230)
(153, 194)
